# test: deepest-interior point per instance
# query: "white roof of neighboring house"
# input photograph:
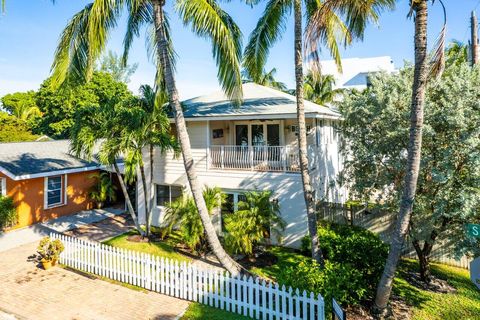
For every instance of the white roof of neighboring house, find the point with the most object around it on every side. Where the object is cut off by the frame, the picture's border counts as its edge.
(259, 102)
(356, 70)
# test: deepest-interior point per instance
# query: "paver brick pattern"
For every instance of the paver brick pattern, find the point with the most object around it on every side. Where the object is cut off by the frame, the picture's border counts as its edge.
(33, 293)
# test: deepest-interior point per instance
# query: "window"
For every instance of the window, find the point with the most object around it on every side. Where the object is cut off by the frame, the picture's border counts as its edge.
(54, 191)
(167, 194)
(3, 187)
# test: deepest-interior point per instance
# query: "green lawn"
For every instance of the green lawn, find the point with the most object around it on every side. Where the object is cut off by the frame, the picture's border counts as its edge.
(161, 249)
(464, 304)
(200, 311)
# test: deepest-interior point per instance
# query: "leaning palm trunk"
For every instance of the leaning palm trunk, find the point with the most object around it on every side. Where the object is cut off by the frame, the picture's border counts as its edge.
(414, 154)
(182, 133)
(127, 198)
(152, 190)
(302, 137)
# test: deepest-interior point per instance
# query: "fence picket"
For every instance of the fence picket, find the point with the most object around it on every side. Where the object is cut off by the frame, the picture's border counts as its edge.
(240, 294)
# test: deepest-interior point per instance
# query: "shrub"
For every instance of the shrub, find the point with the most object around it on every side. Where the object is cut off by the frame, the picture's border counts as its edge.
(354, 260)
(257, 218)
(182, 215)
(8, 212)
(342, 281)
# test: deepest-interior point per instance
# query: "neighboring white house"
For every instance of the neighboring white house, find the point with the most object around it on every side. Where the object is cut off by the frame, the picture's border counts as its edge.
(356, 71)
(253, 147)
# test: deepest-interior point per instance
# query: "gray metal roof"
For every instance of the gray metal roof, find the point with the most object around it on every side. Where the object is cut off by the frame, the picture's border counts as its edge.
(28, 158)
(257, 101)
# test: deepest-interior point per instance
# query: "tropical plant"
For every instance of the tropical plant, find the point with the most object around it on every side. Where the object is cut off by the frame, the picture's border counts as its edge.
(8, 212)
(266, 79)
(325, 26)
(447, 196)
(113, 64)
(182, 215)
(104, 190)
(49, 250)
(257, 218)
(423, 68)
(13, 129)
(84, 39)
(21, 105)
(320, 89)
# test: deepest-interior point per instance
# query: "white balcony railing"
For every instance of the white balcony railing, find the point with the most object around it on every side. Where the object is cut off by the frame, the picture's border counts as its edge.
(256, 158)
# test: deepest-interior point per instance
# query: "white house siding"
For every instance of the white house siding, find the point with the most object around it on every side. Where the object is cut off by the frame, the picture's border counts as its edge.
(286, 187)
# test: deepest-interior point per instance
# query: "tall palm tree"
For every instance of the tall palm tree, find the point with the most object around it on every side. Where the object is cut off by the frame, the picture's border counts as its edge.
(85, 37)
(422, 70)
(329, 29)
(266, 79)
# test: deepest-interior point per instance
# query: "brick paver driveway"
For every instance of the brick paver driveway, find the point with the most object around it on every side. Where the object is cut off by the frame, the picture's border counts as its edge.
(32, 293)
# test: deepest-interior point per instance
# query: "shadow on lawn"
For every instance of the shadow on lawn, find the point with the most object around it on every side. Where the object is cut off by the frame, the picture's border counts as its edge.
(462, 304)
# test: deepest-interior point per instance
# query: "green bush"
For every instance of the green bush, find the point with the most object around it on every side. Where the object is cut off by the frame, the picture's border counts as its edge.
(257, 218)
(8, 212)
(354, 260)
(342, 281)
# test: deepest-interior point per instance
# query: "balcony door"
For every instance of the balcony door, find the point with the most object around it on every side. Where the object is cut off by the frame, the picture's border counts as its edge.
(257, 134)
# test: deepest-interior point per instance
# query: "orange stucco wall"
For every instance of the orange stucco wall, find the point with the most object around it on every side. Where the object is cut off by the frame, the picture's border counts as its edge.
(28, 196)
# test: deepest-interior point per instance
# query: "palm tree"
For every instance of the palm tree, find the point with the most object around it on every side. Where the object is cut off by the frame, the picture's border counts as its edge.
(324, 21)
(320, 89)
(422, 70)
(266, 79)
(84, 39)
(94, 125)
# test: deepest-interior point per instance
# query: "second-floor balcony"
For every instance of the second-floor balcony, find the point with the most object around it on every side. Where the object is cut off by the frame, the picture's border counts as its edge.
(254, 158)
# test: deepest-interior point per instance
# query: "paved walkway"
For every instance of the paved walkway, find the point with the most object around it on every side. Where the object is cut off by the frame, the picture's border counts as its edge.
(14, 238)
(31, 293)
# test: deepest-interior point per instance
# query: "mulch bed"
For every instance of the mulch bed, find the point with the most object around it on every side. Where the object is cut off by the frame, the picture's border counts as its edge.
(260, 260)
(138, 238)
(435, 285)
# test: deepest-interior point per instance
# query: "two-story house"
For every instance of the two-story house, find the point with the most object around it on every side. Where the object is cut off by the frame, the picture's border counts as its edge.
(253, 147)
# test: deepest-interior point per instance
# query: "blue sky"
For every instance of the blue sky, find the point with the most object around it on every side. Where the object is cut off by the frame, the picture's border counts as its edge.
(29, 31)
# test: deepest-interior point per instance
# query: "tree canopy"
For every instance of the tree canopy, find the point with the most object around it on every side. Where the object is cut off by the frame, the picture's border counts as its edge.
(58, 105)
(376, 128)
(13, 129)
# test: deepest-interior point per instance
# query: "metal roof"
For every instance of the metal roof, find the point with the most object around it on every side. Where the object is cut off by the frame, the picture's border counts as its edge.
(24, 159)
(258, 101)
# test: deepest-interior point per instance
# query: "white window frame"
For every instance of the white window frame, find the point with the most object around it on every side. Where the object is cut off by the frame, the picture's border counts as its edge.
(3, 186)
(63, 192)
(169, 192)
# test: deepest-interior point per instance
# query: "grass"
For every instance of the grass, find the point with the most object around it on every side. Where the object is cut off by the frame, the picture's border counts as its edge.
(463, 304)
(161, 249)
(200, 311)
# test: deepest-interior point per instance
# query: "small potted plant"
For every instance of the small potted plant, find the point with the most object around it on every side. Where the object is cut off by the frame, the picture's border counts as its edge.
(49, 251)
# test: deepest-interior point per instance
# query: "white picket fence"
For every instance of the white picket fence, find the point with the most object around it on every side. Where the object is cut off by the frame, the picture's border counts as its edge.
(244, 295)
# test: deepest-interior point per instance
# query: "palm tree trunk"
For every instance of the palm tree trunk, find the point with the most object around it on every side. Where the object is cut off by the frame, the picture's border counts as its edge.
(302, 137)
(414, 154)
(152, 189)
(127, 199)
(195, 187)
(146, 198)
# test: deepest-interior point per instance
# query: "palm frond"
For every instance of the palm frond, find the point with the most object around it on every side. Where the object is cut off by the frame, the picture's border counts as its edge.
(208, 20)
(71, 55)
(268, 30)
(141, 13)
(437, 57)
